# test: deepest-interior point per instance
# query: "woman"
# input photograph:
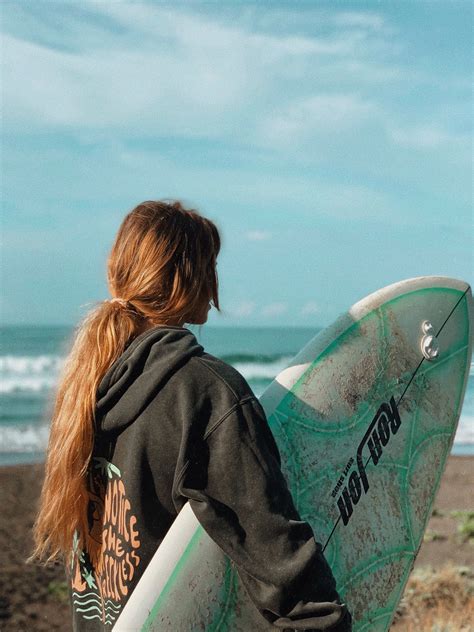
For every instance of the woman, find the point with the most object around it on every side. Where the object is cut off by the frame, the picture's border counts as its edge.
(144, 421)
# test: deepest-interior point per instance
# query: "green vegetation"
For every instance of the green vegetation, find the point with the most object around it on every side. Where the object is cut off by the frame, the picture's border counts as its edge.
(437, 600)
(466, 524)
(58, 591)
(433, 536)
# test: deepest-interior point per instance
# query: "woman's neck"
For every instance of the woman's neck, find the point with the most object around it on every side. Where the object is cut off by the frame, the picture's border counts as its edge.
(149, 325)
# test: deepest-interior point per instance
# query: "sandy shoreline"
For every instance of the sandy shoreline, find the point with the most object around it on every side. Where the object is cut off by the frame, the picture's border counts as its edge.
(32, 598)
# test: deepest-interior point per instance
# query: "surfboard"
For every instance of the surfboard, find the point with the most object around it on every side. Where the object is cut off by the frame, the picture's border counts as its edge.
(364, 417)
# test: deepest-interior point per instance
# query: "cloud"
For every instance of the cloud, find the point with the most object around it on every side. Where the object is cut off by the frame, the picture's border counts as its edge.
(258, 235)
(315, 198)
(209, 32)
(310, 309)
(319, 114)
(176, 72)
(424, 137)
(366, 20)
(114, 89)
(127, 78)
(243, 309)
(274, 309)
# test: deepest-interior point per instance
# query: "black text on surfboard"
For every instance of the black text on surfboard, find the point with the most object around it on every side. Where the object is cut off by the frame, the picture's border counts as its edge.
(385, 424)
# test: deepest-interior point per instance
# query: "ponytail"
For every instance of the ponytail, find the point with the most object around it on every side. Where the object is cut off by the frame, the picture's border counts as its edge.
(100, 339)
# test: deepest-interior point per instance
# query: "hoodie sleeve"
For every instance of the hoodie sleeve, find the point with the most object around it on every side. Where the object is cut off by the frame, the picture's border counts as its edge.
(238, 493)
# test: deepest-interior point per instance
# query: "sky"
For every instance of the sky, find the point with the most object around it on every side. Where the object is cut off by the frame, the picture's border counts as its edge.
(330, 142)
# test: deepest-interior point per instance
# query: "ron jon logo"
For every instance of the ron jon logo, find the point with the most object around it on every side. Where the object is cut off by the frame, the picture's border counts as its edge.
(385, 424)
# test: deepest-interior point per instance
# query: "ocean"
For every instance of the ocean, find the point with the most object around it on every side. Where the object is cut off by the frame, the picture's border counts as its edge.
(31, 357)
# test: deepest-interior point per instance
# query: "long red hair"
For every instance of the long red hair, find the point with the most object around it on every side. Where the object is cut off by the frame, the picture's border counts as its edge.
(163, 262)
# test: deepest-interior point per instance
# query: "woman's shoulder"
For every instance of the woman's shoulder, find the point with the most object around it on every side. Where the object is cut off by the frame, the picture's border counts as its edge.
(218, 375)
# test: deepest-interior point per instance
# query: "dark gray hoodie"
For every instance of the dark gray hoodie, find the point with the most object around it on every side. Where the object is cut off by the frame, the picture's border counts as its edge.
(175, 424)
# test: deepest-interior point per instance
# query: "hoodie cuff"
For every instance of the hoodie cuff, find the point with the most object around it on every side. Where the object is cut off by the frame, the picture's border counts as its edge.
(316, 617)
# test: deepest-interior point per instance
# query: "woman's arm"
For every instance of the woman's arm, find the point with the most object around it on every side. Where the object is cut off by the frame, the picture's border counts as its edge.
(237, 490)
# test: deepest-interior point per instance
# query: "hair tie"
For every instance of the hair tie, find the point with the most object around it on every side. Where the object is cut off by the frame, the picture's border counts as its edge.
(123, 302)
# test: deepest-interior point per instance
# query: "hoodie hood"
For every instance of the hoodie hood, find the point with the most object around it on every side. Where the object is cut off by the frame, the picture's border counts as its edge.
(136, 376)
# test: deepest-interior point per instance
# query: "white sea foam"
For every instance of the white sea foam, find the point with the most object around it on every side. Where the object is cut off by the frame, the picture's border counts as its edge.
(262, 370)
(465, 431)
(29, 373)
(28, 438)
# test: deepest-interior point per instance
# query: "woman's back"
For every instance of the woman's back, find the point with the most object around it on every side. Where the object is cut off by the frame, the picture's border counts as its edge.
(154, 408)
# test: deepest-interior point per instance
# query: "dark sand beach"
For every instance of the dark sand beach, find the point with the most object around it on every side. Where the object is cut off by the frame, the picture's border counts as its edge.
(32, 598)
